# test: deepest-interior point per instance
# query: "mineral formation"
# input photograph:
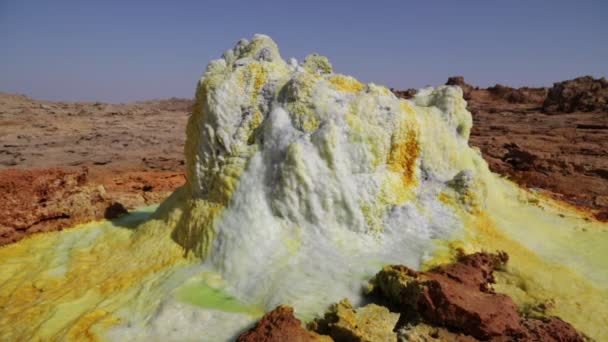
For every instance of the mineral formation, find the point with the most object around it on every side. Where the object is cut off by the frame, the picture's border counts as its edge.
(301, 184)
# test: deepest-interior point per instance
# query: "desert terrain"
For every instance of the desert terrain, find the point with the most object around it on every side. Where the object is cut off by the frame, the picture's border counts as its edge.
(67, 163)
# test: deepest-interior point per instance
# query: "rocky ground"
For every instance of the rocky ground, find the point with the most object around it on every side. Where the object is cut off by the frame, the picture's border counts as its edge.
(146, 135)
(524, 136)
(48, 199)
(68, 163)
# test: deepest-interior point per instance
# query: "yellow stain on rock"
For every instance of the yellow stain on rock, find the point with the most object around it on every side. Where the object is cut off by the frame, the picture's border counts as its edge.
(446, 199)
(402, 157)
(407, 108)
(254, 75)
(195, 231)
(299, 101)
(346, 83)
(404, 153)
(368, 134)
(83, 329)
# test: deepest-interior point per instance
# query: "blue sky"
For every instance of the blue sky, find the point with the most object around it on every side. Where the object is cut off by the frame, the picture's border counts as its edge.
(132, 50)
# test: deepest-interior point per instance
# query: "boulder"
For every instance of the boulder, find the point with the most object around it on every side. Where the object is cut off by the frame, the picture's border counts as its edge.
(459, 296)
(365, 324)
(280, 325)
(584, 94)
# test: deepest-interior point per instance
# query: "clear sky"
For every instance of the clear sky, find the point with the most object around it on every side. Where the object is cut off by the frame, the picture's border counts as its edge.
(132, 50)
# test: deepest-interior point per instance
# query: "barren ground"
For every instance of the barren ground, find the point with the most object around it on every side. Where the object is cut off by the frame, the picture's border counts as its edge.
(565, 154)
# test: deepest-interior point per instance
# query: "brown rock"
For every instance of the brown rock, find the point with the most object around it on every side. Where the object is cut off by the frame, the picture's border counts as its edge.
(459, 81)
(557, 154)
(115, 210)
(405, 94)
(280, 325)
(585, 94)
(519, 159)
(426, 333)
(459, 297)
(44, 200)
(98, 135)
(551, 329)
(602, 216)
(518, 95)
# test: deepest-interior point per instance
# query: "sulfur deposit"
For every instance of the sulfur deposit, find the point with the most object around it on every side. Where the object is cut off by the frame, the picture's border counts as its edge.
(301, 184)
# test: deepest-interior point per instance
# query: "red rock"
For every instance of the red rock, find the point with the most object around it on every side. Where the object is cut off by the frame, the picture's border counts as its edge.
(44, 200)
(280, 325)
(458, 296)
(585, 94)
(551, 329)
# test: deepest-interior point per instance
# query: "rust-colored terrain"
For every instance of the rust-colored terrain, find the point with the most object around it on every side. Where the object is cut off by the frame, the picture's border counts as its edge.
(528, 139)
(68, 163)
(42, 200)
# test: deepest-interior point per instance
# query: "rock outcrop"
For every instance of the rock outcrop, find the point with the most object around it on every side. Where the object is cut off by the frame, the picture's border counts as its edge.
(280, 325)
(460, 297)
(453, 302)
(518, 95)
(459, 81)
(584, 94)
(45, 200)
(405, 94)
(365, 324)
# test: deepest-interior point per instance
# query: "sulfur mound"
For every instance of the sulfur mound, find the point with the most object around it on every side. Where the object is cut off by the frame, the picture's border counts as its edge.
(299, 177)
(301, 183)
